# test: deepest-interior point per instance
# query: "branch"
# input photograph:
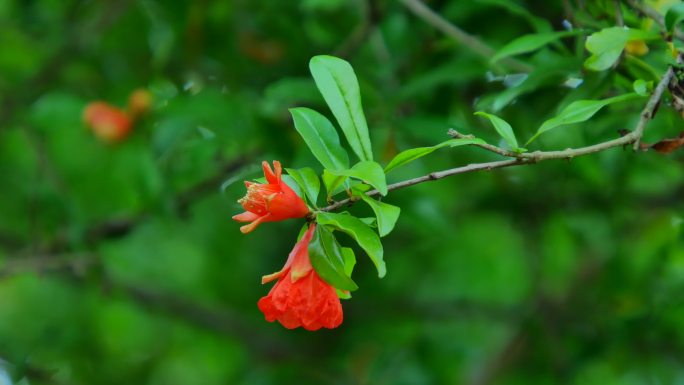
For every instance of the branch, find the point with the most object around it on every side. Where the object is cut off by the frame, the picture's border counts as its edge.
(633, 138)
(476, 45)
(653, 14)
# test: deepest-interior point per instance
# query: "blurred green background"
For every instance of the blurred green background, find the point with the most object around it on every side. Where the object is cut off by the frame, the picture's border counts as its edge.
(119, 263)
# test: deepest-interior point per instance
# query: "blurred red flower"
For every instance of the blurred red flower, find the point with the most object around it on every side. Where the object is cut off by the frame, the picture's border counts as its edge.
(301, 297)
(107, 122)
(270, 202)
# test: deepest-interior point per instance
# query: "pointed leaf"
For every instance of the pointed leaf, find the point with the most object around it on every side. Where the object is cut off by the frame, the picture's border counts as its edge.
(333, 183)
(336, 80)
(673, 16)
(321, 137)
(412, 154)
(368, 171)
(580, 111)
(607, 44)
(367, 239)
(503, 128)
(387, 214)
(327, 259)
(531, 42)
(349, 263)
(308, 181)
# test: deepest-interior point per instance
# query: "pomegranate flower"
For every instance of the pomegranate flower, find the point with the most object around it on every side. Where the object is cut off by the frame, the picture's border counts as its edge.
(107, 122)
(301, 297)
(270, 202)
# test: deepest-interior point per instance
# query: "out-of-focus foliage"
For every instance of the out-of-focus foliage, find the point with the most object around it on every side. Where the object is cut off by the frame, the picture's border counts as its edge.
(119, 262)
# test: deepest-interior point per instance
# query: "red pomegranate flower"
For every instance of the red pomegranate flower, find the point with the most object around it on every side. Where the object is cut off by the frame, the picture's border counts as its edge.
(301, 297)
(270, 202)
(107, 122)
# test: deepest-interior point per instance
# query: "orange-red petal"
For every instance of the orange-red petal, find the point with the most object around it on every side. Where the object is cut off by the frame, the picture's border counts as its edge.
(247, 216)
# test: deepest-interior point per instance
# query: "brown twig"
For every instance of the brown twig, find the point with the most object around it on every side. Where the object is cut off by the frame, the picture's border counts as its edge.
(476, 45)
(633, 137)
(653, 14)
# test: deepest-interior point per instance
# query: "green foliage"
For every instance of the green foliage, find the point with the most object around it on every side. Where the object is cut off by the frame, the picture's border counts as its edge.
(321, 137)
(385, 213)
(337, 82)
(119, 262)
(580, 111)
(674, 16)
(408, 156)
(308, 182)
(606, 45)
(502, 128)
(367, 171)
(530, 43)
(367, 239)
(329, 260)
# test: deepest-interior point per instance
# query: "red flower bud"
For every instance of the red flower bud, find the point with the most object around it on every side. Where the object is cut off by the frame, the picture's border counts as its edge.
(270, 202)
(301, 297)
(107, 122)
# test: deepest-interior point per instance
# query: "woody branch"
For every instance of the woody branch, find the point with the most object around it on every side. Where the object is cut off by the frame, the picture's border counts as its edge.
(518, 159)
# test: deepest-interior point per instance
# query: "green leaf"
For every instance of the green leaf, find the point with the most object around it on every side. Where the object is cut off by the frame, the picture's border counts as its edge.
(412, 154)
(370, 221)
(368, 171)
(607, 44)
(367, 239)
(306, 179)
(532, 42)
(580, 111)
(328, 259)
(641, 87)
(503, 128)
(337, 83)
(673, 16)
(349, 263)
(387, 214)
(321, 137)
(333, 183)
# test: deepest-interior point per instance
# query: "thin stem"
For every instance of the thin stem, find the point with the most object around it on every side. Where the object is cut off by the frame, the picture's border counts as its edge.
(474, 44)
(619, 20)
(653, 14)
(519, 159)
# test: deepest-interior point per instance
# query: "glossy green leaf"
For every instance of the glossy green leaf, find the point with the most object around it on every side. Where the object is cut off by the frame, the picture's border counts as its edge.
(333, 183)
(368, 171)
(607, 44)
(408, 156)
(321, 137)
(308, 181)
(327, 259)
(336, 80)
(674, 16)
(529, 43)
(367, 239)
(580, 111)
(502, 127)
(370, 221)
(349, 263)
(386, 214)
